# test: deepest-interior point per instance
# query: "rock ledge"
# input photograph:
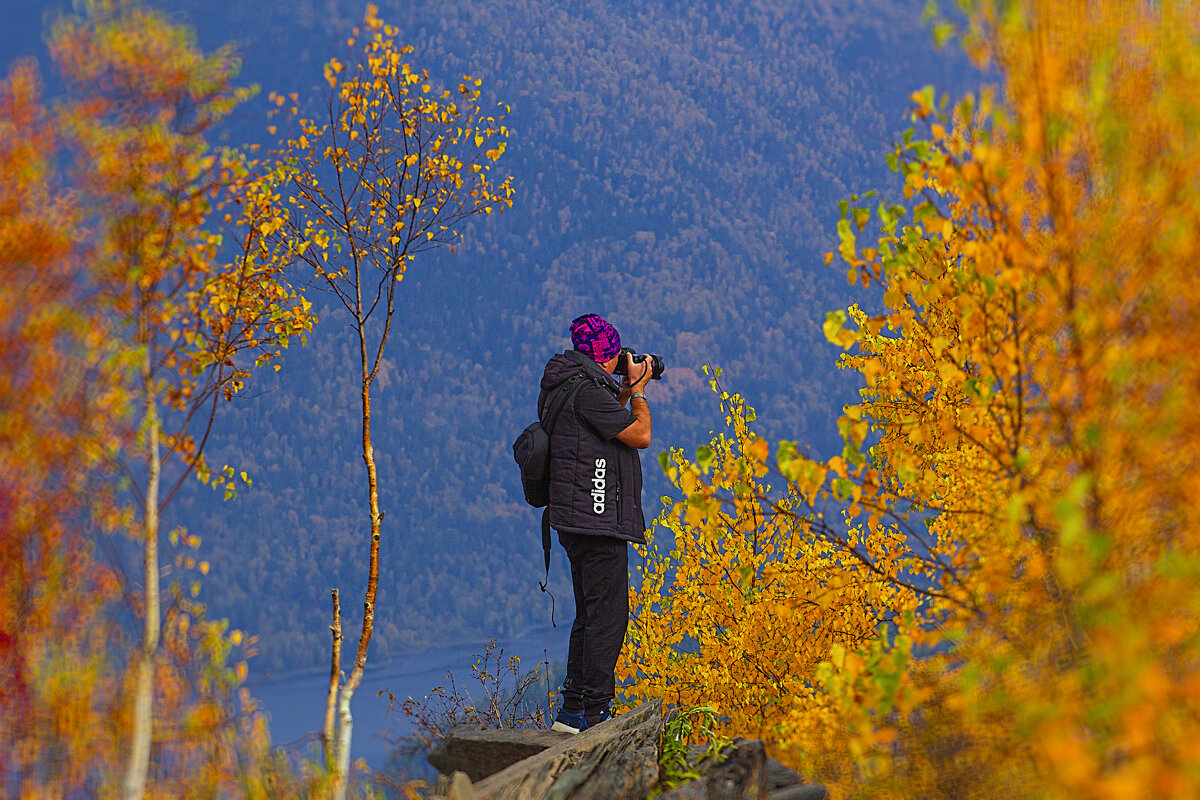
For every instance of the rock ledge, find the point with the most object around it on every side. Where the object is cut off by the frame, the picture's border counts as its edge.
(614, 761)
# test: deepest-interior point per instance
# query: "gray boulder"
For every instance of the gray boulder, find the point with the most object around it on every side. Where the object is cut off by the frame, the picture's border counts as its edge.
(480, 753)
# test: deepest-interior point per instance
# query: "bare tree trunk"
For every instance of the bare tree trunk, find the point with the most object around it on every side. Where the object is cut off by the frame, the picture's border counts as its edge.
(143, 696)
(335, 673)
(345, 719)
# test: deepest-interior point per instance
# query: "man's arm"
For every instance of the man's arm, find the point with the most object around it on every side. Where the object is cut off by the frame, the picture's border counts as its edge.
(637, 435)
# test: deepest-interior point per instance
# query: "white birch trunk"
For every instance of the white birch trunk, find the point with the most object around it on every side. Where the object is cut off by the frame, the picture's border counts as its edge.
(345, 729)
(143, 696)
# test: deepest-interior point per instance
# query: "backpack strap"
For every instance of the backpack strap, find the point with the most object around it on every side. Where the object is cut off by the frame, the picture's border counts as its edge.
(555, 407)
(564, 391)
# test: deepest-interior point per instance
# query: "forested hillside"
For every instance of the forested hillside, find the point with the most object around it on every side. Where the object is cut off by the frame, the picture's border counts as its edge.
(677, 169)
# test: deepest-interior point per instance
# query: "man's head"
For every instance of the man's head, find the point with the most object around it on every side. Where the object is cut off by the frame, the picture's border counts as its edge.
(597, 339)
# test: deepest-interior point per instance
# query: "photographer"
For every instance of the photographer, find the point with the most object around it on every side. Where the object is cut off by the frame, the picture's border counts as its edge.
(596, 503)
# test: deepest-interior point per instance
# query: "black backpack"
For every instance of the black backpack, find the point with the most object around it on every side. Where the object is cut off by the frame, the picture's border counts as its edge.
(531, 451)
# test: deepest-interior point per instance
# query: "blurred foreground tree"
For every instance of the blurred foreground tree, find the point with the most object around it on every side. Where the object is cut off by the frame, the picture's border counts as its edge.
(60, 413)
(141, 316)
(392, 170)
(1023, 460)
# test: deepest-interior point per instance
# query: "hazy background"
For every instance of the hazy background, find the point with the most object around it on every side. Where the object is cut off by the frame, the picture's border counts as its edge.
(677, 166)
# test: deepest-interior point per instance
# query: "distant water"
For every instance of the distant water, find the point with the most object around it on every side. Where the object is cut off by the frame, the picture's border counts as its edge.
(295, 702)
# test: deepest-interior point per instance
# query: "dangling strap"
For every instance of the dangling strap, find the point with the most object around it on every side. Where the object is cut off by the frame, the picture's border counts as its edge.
(546, 550)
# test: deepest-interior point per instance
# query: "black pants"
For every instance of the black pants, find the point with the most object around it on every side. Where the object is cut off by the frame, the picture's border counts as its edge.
(600, 578)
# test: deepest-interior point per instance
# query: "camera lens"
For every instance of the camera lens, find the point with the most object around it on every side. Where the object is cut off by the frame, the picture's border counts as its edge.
(656, 363)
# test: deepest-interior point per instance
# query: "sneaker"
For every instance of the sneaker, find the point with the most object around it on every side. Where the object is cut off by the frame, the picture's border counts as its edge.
(570, 722)
(578, 722)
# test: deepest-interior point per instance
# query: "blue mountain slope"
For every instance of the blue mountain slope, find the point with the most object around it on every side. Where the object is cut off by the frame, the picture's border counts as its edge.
(678, 167)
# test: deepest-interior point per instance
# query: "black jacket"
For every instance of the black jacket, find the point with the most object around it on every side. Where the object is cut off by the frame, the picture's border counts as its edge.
(595, 479)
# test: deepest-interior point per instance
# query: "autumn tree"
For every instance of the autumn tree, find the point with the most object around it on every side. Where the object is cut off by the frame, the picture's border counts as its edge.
(59, 416)
(1022, 458)
(160, 273)
(392, 169)
(738, 604)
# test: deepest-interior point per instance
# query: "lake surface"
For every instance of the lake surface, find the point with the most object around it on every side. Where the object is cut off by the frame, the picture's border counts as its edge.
(295, 702)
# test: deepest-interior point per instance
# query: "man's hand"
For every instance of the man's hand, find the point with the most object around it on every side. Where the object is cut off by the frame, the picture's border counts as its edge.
(629, 384)
(639, 385)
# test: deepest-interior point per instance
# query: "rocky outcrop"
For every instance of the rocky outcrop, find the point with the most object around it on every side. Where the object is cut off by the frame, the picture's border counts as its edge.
(739, 773)
(614, 761)
(479, 753)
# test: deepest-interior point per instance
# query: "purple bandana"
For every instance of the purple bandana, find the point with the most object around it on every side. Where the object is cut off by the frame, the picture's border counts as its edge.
(593, 336)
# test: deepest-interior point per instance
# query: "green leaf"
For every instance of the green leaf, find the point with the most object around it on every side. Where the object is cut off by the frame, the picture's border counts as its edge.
(1071, 511)
(861, 217)
(942, 33)
(852, 456)
(846, 234)
(834, 320)
(926, 96)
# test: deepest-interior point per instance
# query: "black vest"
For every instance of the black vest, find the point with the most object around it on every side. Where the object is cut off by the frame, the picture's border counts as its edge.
(595, 485)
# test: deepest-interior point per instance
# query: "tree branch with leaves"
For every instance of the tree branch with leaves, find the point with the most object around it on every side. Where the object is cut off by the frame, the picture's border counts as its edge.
(392, 169)
(1019, 470)
(191, 313)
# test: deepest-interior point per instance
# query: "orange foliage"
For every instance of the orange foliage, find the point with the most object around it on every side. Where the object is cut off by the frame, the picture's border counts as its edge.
(57, 423)
(743, 610)
(1023, 459)
(122, 321)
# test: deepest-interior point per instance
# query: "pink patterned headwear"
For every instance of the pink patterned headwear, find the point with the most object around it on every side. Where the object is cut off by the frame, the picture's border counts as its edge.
(591, 335)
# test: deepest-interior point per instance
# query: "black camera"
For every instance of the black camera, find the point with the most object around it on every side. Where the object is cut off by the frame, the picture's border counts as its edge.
(656, 363)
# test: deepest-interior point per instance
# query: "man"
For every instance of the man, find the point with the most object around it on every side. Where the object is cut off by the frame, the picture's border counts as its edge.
(596, 506)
